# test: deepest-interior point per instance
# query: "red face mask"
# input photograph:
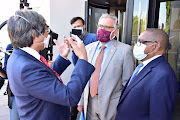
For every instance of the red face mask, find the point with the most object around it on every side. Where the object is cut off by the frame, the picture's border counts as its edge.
(103, 35)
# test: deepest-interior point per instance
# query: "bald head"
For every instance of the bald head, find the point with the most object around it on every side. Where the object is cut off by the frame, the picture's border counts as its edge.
(159, 36)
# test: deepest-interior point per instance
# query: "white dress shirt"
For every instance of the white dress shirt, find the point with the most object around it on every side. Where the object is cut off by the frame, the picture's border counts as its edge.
(32, 52)
(148, 61)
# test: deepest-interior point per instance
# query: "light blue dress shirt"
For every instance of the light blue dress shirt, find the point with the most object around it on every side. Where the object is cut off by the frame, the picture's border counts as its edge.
(96, 53)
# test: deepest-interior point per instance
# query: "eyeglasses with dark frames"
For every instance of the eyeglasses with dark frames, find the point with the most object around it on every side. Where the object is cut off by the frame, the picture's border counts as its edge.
(105, 27)
(47, 29)
(139, 42)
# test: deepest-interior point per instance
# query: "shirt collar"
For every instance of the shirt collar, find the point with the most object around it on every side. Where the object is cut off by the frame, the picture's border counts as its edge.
(149, 60)
(32, 52)
(83, 38)
(107, 44)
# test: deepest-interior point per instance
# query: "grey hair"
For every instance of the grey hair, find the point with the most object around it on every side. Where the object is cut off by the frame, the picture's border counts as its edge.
(24, 26)
(116, 25)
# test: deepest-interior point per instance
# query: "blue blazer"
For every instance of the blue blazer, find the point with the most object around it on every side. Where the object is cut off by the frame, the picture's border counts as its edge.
(38, 92)
(151, 95)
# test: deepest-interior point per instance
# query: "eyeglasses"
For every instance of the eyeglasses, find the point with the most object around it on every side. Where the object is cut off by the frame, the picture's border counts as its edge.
(48, 30)
(105, 27)
(139, 42)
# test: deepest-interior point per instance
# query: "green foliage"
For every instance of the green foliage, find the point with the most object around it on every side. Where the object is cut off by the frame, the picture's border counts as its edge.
(168, 7)
(143, 25)
(135, 26)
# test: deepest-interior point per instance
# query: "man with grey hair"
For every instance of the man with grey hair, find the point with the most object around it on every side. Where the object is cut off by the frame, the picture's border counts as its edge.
(38, 89)
(114, 65)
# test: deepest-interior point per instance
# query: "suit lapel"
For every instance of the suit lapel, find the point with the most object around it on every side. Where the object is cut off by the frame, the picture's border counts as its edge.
(19, 51)
(135, 81)
(146, 70)
(91, 52)
(109, 56)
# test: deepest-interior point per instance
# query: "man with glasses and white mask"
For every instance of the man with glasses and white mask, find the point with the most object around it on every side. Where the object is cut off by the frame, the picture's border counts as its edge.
(38, 88)
(114, 65)
(151, 92)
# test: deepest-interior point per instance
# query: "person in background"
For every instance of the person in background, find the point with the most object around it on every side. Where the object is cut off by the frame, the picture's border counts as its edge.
(2, 75)
(151, 92)
(38, 88)
(114, 65)
(87, 38)
(11, 99)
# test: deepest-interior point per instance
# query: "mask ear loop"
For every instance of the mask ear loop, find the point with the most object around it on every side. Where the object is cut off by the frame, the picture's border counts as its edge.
(23, 18)
(30, 24)
(149, 46)
(111, 34)
(32, 27)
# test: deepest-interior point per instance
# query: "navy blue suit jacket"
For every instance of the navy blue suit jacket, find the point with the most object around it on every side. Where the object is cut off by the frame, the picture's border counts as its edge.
(38, 92)
(151, 95)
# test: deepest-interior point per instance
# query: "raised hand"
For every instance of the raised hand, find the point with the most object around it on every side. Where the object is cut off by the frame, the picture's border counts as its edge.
(78, 47)
(50, 62)
(63, 48)
(80, 108)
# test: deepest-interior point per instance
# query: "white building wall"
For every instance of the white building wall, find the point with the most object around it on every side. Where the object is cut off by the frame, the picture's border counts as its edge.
(7, 9)
(57, 13)
(61, 12)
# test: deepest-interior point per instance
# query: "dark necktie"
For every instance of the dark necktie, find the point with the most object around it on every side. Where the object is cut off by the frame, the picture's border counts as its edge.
(46, 63)
(95, 75)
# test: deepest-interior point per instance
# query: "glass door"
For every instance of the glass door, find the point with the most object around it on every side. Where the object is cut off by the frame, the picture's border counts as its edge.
(169, 21)
(140, 14)
(94, 15)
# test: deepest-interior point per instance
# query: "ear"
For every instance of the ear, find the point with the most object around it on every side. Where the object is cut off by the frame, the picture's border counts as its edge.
(35, 39)
(84, 26)
(33, 34)
(115, 32)
(157, 47)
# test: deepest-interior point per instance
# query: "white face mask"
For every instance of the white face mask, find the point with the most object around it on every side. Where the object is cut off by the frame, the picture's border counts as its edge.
(138, 51)
(80, 28)
(46, 41)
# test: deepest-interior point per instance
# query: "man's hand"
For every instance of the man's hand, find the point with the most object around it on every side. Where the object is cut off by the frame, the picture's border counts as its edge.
(80, 108)
(63, 48)
(78, 47)
(3, 73)
(50, 62)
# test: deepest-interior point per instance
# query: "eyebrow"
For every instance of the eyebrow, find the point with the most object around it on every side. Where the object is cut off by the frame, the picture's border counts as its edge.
(77, 26)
